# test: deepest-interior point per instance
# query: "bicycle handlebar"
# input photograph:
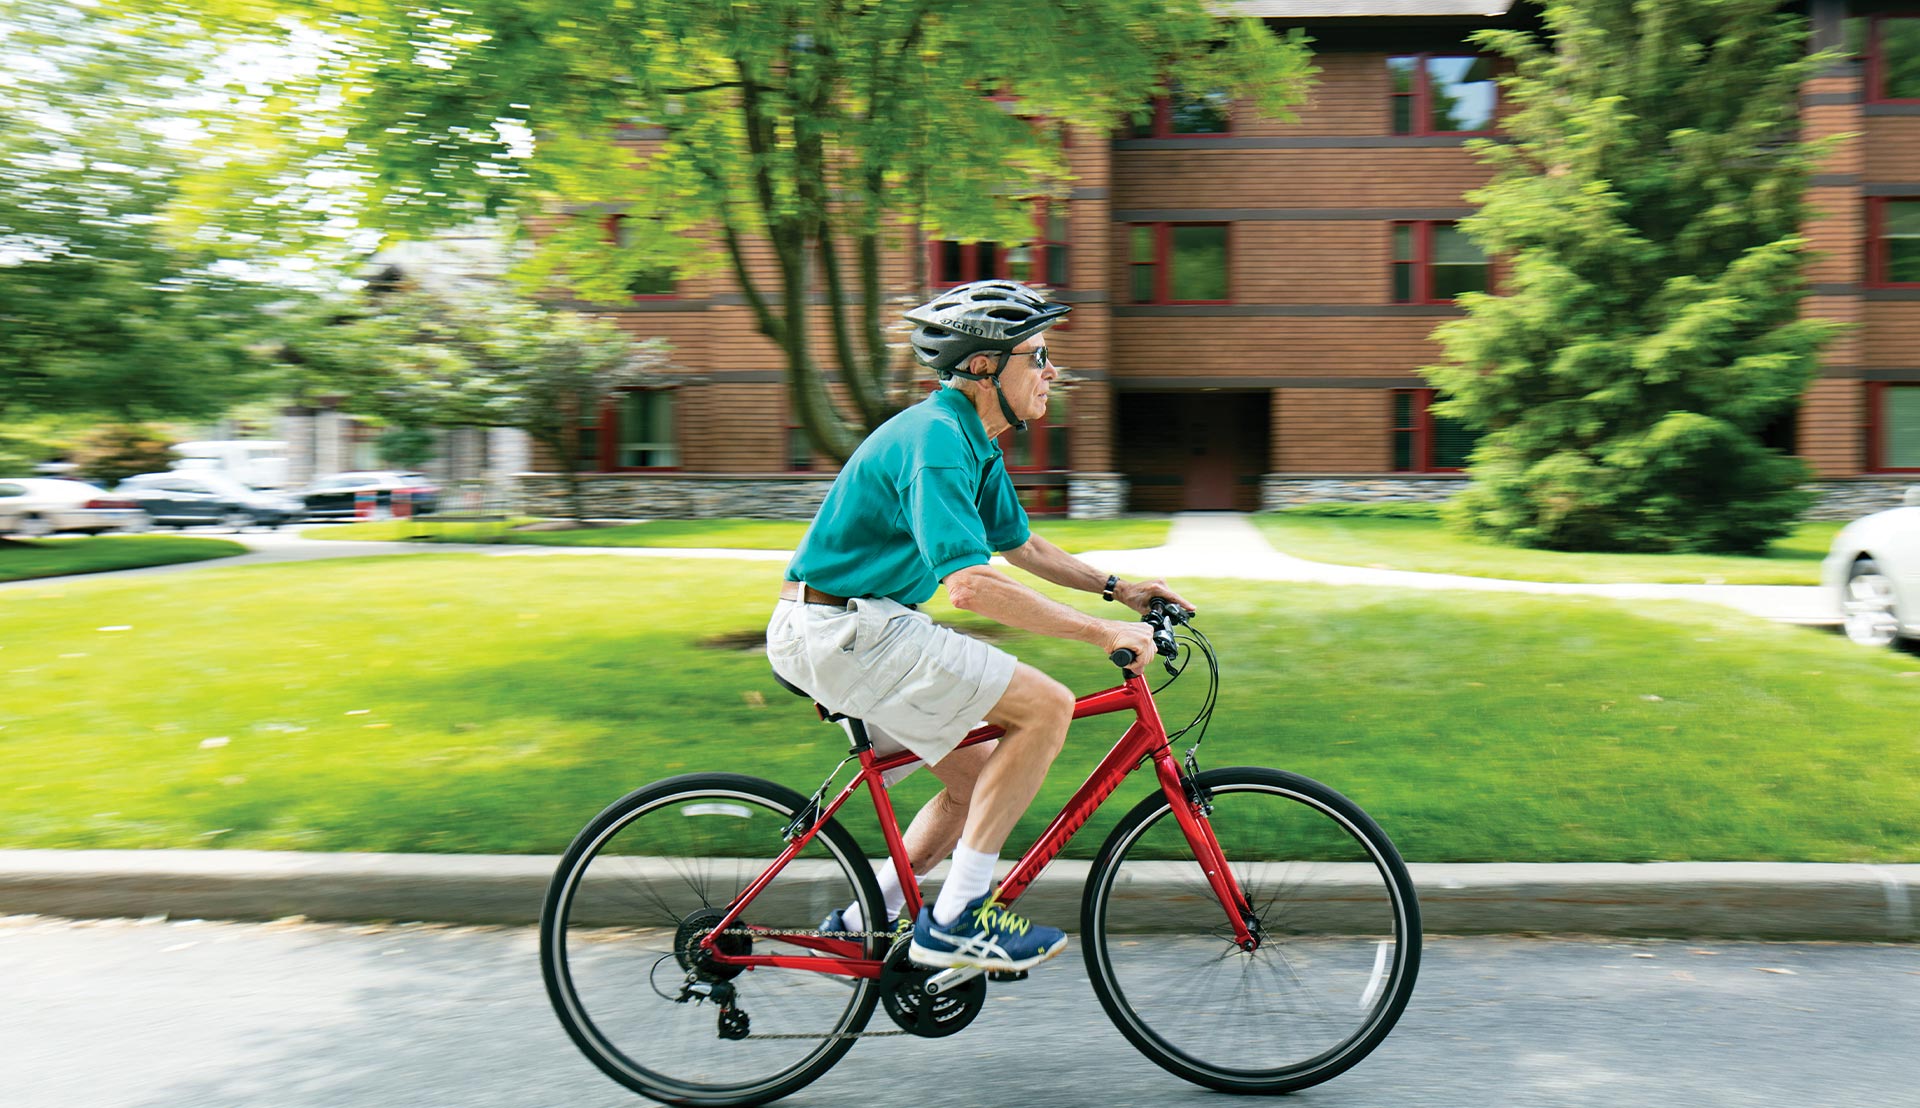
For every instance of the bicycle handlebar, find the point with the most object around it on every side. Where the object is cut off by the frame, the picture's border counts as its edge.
(1163, 616)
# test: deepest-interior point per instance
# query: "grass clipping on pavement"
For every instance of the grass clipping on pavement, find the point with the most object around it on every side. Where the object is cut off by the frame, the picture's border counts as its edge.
(462, 703)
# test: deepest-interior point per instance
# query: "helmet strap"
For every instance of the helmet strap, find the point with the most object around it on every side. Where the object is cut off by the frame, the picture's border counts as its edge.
(1006, 409)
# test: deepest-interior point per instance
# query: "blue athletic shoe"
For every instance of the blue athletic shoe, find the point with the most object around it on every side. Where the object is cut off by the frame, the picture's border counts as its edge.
(984, 936)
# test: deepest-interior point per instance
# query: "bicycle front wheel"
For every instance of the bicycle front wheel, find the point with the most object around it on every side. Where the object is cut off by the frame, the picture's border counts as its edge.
(1332, 909)
(639, 888)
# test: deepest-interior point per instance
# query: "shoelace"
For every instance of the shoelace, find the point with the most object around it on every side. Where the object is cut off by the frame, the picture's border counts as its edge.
(1007, 921)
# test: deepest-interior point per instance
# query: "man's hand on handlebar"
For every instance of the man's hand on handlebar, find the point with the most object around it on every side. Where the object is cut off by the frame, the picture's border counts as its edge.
(1134, 637)
(1139, 595)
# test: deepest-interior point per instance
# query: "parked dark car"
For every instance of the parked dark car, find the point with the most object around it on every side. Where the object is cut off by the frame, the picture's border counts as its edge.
(184, 498)
(336, 497)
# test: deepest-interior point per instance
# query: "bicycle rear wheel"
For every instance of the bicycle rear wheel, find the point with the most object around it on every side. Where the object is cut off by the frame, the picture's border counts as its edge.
(637, 890)
(1333, 910)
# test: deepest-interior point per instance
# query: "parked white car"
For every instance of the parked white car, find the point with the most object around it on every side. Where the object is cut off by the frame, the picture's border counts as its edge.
(36, 506)
(1873, 571)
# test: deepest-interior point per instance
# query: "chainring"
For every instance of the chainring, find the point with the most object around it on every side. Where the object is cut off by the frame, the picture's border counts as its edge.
(903, 994)
(692, 958)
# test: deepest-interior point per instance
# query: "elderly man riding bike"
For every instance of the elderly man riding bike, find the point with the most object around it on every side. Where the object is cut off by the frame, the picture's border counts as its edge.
(925, 501)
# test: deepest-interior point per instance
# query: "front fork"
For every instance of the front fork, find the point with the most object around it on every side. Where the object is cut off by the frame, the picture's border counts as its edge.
(1192, 804)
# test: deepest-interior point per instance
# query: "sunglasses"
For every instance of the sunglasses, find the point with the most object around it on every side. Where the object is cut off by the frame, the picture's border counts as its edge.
(1040, 359)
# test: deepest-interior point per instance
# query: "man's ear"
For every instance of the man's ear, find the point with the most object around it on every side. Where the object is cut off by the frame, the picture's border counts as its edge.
(981, 364)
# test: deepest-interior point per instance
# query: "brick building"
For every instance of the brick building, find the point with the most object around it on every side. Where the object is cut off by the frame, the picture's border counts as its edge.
(1253, 298)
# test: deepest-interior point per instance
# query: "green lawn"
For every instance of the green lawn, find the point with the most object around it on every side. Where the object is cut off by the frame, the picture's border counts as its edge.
(455, 702)
(29, 558)
(739, 534)
(1426, 546)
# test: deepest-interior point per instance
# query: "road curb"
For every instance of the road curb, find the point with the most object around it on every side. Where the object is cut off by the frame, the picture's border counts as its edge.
(1754, 900)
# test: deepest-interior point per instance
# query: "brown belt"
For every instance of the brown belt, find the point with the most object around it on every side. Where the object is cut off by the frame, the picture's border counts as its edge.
(792, 590)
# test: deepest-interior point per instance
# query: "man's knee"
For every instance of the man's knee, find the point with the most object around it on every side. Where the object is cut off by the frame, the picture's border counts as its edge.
(1035, 700)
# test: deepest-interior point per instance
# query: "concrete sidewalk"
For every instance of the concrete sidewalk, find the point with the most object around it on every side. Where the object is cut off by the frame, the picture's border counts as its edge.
(1226, 544)
(1200, 544)
(1755, 900)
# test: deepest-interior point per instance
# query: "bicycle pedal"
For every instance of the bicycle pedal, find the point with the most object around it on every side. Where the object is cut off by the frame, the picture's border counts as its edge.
(1007, 975)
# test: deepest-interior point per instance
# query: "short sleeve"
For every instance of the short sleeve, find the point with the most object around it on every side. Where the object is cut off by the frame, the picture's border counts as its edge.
(1000, 511)
(945, 520)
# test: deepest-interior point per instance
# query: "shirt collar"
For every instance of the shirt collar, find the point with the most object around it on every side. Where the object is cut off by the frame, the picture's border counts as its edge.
(969, 418)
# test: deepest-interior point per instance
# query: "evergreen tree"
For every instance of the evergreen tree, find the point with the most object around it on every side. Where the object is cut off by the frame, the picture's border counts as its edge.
(1646, 214)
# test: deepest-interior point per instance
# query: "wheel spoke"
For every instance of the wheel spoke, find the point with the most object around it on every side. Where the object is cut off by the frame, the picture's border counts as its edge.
(1337, 947)
(660, 874)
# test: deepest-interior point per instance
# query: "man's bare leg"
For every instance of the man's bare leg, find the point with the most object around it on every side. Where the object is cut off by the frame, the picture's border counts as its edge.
(1035, 710)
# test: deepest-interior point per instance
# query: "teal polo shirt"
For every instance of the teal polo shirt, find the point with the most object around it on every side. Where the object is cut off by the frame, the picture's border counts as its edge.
(926, 494)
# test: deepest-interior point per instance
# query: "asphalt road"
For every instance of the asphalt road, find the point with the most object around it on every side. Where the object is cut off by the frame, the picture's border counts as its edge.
(184, 1014)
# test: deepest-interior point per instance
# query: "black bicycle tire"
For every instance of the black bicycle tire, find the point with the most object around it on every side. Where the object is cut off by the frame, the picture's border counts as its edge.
(1398, 990)
(552, 924)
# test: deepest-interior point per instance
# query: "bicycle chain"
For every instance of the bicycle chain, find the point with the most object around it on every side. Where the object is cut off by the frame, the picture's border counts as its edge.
(764, 933)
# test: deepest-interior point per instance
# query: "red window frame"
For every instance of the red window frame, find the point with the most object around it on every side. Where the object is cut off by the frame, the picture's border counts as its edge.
(1162, 124)
(1876, 426)
(969, 254)
(1877, 260)
(1876, 63)
(1422, 97)
(1419, 427)
(1162, 262)
(1420, 285)
(1040, 499)
(608, 427)
(613, 223)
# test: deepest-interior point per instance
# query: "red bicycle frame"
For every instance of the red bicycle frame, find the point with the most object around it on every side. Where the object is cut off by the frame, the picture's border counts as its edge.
(1145, 739)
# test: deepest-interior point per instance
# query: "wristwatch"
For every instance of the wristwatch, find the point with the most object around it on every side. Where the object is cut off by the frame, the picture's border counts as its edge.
(1112, 584)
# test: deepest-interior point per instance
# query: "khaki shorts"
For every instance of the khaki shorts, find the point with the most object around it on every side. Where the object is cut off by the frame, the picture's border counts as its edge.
(917, 685)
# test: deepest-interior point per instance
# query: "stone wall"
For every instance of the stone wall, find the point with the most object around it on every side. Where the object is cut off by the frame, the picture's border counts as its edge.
(680, 496)
(1282, 490)
(1837, 499)
(1096, 495)
(751, 496)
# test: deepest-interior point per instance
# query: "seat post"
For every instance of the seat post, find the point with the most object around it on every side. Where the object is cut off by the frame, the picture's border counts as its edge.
(857, 735)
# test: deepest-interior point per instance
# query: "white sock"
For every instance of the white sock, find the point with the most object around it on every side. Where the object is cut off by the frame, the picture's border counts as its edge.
(890, 891)
(968, 880)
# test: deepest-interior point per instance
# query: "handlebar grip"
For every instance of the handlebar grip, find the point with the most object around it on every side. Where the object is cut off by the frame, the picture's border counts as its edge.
(1121, 657)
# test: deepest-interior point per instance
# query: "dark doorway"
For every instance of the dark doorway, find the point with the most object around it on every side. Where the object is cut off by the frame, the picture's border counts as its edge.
(1193, 451)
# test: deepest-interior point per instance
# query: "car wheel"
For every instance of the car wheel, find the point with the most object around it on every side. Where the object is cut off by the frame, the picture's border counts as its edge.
(34, 526)
(236, 521)
(137, 525)
(1867, 605)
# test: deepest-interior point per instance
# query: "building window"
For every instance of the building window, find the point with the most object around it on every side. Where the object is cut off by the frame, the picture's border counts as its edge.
(1893, 58)
(1046, 260)
(1424, 442)
(1178, 263)
(1435, 262)
(1894, 434)
(586, 447)
(1043, 448)
(1893, 241)
(799, 450)
(1442, 94)
(1188, 113)
(648, 283)
(644, 418)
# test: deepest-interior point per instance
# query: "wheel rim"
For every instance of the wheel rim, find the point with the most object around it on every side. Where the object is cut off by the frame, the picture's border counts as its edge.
(1334, 939)
(237, 521)
(1868, 611)
(34, 527)
(613, 941)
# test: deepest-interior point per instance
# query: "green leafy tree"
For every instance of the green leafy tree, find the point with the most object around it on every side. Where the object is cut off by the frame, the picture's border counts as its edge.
(406, 447)
(1648, 208)
(112, 453)
(825, 129)
(420, 361)
(99, 313)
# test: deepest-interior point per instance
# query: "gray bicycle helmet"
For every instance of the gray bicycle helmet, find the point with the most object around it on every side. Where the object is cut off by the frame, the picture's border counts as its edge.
(983, 317)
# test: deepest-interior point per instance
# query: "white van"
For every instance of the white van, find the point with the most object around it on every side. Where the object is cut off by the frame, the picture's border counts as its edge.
(261, 463)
